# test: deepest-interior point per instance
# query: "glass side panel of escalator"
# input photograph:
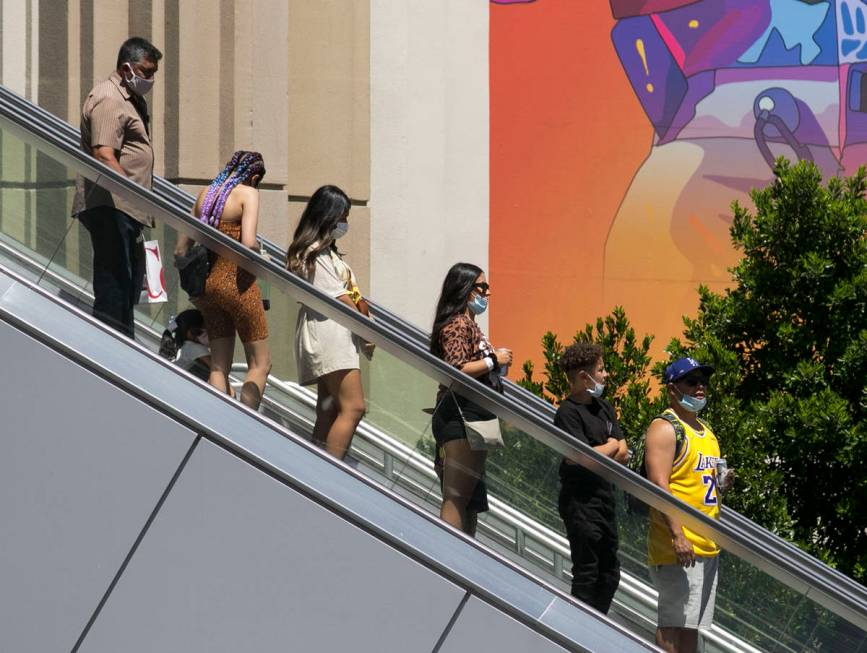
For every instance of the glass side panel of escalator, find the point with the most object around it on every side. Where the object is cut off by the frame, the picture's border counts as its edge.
(40, 239)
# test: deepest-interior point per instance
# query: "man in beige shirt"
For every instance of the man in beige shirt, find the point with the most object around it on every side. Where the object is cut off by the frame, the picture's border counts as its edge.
(115, 129)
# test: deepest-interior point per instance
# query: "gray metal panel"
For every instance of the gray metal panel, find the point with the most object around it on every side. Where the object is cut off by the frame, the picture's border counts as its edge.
(315, 473)
(481, 627)
(5, 283)
(595, 635)
(28, 123)
(83, 466)
(237, 561)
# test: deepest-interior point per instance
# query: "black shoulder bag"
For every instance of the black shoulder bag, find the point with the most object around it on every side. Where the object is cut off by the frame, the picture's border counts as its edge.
(193, 269)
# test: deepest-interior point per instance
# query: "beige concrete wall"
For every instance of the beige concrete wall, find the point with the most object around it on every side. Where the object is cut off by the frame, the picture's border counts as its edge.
(429, 147)
(16, 52)
(329, 106)
(387, 99)
(289, 79)
(429, 177)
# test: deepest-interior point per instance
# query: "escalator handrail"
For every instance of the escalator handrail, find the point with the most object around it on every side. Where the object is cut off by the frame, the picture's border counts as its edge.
(18, 115)
(547, 411)
(634, 587)
(523, 525)
(250, 436)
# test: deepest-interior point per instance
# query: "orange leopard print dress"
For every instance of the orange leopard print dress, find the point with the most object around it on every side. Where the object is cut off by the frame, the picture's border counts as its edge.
(232, 301)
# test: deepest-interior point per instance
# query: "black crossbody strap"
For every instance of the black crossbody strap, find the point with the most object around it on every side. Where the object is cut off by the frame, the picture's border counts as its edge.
(458, 406)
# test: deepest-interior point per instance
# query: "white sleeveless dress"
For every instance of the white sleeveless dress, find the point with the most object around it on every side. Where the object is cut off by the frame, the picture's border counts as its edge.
(321, 345)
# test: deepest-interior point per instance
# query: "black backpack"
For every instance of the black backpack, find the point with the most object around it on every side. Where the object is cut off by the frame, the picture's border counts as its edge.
(635, 505)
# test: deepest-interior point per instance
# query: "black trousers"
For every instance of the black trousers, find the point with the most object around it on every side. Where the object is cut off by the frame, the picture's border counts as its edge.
(118, 265)
(592, 531)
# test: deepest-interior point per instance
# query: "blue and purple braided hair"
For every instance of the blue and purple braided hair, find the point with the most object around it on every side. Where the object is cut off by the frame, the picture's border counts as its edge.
(241, 167)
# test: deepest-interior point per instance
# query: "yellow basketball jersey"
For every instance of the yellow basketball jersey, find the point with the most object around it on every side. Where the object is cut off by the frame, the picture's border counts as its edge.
(693, 480)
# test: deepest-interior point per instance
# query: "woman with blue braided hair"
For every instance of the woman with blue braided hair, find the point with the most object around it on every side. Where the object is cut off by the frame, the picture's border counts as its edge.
(231, 302)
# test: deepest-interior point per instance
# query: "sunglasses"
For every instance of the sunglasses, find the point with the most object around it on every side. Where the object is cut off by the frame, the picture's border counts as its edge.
(484, 287)
(695, 380)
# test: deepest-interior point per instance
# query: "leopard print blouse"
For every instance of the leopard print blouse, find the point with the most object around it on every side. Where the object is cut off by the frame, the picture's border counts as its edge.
(462, 341)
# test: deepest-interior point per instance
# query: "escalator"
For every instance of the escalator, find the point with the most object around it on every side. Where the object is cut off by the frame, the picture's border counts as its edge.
(145, 512)
(772, 596)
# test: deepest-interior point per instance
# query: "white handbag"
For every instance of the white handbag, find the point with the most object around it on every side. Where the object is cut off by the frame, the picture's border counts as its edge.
(482, 435)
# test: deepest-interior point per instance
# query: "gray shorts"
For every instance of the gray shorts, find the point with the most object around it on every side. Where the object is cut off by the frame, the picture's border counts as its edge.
(687, 595)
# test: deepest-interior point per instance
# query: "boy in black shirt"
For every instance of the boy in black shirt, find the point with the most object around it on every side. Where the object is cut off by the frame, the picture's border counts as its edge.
(587, 504)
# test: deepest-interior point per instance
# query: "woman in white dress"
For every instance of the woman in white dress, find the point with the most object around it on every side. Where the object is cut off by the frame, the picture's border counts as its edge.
(327, 353)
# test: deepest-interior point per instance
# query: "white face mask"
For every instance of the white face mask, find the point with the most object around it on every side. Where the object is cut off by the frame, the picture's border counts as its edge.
(340, 230)
(597, 389)
(138, 85)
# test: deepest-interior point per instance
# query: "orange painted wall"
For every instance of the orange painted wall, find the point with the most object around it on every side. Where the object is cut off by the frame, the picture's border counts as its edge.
(588, 209)
(567, 135)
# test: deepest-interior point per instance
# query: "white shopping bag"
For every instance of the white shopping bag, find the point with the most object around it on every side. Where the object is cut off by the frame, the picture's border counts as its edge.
(154, 290)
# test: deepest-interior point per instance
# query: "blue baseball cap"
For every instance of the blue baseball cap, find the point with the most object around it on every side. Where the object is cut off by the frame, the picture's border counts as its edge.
(683, 366)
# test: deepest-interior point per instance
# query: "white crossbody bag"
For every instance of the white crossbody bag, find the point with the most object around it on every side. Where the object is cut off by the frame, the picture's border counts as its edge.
(482, 435)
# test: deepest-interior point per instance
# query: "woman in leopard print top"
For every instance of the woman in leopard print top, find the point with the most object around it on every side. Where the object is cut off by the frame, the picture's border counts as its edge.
(458, 340)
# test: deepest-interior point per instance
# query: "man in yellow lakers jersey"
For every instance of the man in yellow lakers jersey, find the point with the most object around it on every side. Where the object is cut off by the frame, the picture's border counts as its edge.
(681, 457)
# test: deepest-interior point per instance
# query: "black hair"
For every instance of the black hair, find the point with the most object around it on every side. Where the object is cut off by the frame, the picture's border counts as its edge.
(135, 49)
(454, 296)
(580, 356)
(172, 341)
(328, 206)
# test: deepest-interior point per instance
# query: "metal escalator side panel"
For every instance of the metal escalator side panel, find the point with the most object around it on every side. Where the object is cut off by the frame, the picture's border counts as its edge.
(393, 339)
(292, 461)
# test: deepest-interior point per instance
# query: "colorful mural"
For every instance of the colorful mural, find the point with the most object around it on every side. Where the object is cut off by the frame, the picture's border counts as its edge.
(621, 132)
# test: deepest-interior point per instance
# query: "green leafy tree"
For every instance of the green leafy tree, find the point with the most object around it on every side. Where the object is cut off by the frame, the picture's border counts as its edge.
(628, 364)
(789, 396)
(789, 341)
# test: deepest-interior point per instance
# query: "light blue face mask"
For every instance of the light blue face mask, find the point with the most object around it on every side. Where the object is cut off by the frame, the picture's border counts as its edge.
(478, 304)
(597, 389)
(692, 404)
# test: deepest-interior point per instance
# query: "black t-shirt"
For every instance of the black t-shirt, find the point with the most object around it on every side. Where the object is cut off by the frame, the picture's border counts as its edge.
(593, 424)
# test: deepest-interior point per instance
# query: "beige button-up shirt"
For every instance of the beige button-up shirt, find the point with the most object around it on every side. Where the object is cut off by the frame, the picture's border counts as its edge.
(110, 118)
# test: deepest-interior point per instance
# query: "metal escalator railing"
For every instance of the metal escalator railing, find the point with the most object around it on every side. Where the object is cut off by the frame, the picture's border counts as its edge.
(546, 411)
(208, 416)
(400, 467)
(806, 590)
